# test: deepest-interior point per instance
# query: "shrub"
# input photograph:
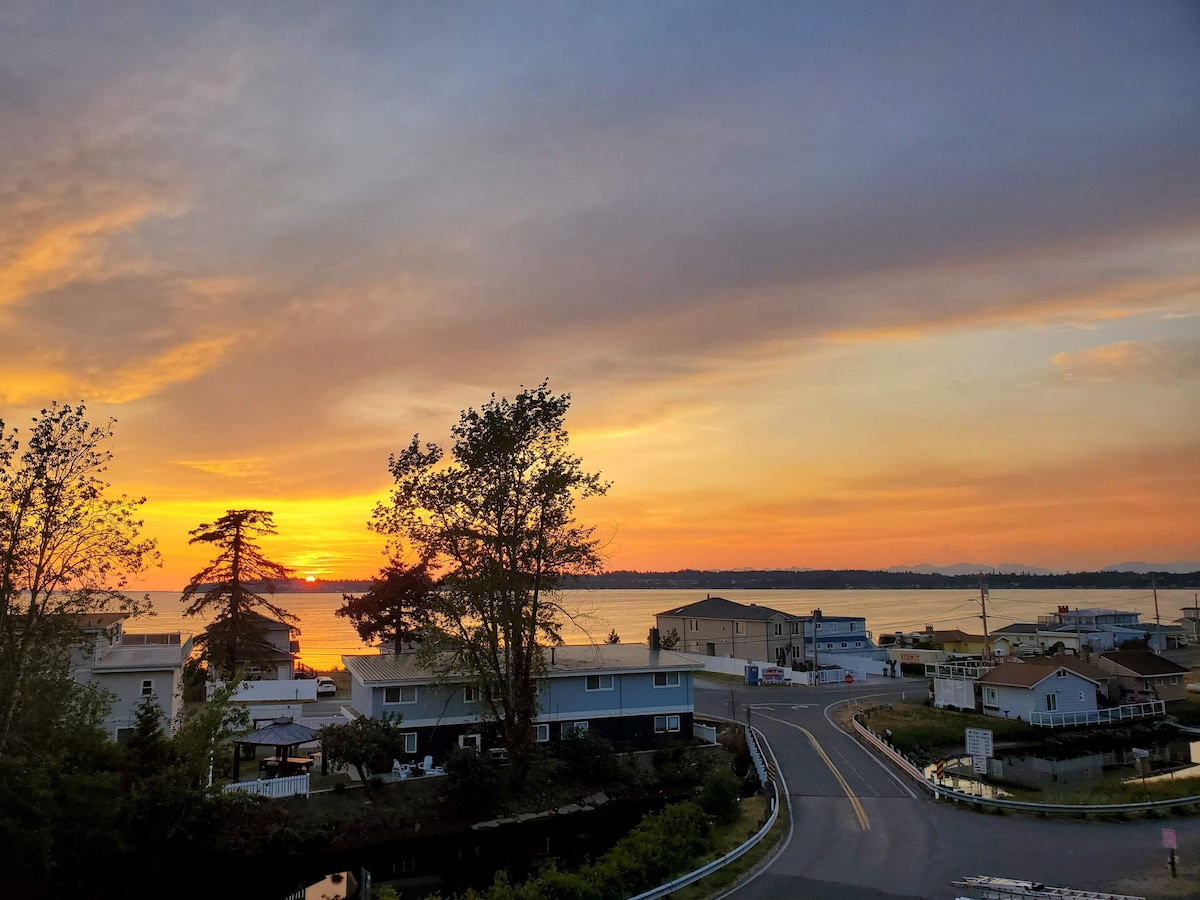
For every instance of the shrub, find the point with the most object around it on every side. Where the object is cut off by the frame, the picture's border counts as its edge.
(719, 796)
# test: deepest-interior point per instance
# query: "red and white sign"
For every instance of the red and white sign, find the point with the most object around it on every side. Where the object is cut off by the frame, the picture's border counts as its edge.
(773, 675)
(1169, 839)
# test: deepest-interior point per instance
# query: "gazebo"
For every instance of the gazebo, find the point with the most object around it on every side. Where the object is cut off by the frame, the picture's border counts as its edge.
(282, 734)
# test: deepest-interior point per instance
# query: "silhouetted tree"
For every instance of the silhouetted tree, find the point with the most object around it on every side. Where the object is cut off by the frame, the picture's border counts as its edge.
(613, 637)
(670, 640)
(501, 518)
(395, 607)
(237, 635)
(66, 551)
(369, 744)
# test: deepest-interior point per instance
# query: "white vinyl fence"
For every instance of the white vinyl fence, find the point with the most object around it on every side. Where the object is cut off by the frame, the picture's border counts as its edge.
(290, 786)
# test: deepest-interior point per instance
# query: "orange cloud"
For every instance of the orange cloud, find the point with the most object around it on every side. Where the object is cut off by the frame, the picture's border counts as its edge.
(1157, 359)
(67, 252)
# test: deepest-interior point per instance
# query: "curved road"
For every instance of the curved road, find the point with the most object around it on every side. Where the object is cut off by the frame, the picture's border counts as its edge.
(863, 831)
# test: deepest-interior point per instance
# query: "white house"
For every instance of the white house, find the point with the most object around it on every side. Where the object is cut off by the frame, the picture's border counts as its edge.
(131, 666)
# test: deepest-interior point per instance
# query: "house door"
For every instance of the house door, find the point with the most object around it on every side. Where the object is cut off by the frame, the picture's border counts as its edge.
(711, 649)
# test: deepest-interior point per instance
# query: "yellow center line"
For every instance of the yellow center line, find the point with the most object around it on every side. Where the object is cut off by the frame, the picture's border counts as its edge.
(863, 821)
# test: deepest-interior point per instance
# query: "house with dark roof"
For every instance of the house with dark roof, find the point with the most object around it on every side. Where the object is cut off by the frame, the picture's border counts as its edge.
(1143, 674)
(629, 693)
(715, 626)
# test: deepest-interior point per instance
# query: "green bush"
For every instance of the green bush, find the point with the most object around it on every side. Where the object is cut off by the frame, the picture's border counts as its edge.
(474, 779)
(719, 796)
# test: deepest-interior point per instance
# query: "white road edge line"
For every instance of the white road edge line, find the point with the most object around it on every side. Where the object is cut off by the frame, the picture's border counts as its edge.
(879, 762)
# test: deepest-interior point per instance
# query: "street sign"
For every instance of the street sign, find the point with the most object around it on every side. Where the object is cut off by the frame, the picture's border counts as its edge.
(1168, 838)
(979, 742)
(979, 764)
(939, 769)
(1139, 754)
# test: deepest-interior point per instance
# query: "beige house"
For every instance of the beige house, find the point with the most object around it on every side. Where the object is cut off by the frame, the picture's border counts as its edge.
(715, 626)
(1145, 674)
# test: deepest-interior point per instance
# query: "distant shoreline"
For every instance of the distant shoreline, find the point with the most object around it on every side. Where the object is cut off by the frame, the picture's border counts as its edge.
(815, 580)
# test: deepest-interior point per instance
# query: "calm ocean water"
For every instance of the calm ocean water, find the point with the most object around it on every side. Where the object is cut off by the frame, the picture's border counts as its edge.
(325, 638)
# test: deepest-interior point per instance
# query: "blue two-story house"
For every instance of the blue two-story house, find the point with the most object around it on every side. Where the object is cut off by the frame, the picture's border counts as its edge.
(628, 693)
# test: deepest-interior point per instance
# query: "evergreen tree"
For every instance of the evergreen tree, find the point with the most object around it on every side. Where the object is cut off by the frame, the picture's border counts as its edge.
(395, 607)
(237, 636)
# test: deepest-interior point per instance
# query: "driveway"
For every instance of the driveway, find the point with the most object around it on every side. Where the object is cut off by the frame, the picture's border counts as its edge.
(863, 831)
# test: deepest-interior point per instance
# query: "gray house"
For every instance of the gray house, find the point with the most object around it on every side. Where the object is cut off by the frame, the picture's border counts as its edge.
(131, 666)
(1037, 694)
(628, 693)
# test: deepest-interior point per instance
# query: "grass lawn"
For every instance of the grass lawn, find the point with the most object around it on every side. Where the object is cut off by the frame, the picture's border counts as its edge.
(1186, 711)
(1111, 788)
(925, 732)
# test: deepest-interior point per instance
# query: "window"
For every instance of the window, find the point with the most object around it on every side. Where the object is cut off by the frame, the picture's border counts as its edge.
(470, 741)
(666, 679)
(739, 627)
(569, 728)
(818, 626)
(858, 643)
(852, 625)
(599, 683)
(829, 646)
(1051, 702)
(147, 688)
(844, 645)
(795, 628)
(541, 732)
(666, 723)
(1061, 673)
(470, 694)
(991, 698)
(693, 624)
(778, 628)
(1174, 679)
(410, 742)
(400, 694)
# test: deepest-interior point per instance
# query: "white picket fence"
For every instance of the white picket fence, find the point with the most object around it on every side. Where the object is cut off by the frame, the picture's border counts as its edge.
(289, 786)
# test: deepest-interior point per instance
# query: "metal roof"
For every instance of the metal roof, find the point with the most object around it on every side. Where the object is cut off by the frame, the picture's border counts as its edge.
(396, 668)
(280, 733)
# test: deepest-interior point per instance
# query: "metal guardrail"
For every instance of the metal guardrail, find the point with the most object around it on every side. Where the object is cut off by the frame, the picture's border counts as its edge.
(945, 793)
(762, 762)
(1144, 710)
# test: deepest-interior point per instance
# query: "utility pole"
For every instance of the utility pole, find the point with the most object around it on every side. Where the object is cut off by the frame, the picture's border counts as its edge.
(987, 639)
(1154, 587)
(816, 619)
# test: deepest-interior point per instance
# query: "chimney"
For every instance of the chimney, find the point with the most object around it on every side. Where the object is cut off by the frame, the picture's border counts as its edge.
(1063, 609)
(929, 629)
(655, 643)
(551, 655)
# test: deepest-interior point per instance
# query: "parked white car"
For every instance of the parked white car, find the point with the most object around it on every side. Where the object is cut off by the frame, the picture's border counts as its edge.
(325, 685)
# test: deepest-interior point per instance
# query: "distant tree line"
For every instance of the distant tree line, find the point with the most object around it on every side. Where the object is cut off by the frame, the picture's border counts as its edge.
(854, 579)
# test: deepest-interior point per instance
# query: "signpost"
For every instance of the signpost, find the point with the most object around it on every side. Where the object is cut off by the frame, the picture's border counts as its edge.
(979, 748)
(1170, 843)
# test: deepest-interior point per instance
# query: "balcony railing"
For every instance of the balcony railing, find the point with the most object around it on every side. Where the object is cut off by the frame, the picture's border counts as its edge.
(963, 671)
(1145, 710)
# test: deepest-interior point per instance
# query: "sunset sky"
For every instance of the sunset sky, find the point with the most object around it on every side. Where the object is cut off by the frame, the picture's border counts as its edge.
(831, 284)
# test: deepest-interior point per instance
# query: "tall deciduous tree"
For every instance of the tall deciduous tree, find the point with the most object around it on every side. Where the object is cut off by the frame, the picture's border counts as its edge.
(67, 550)
(500, 516)
(237, 635)
(395, 607)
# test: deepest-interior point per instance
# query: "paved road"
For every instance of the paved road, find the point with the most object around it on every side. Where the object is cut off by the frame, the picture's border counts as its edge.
(862, 832)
